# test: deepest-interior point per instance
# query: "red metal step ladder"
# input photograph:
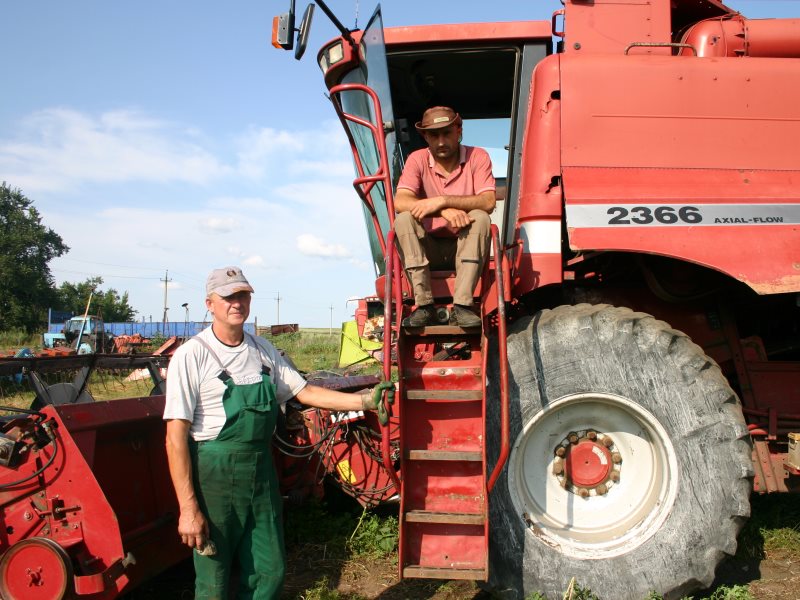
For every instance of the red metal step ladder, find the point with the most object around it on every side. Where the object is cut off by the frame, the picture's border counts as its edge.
(443, 508)
(441, 407)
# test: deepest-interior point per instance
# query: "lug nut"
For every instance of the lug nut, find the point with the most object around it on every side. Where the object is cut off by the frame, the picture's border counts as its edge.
(614, 476)
(616, 458)
(558, 468)
(573, 438)
(602, 489)
(561, 452)
(608, 442)
(582, 492)
(592, 435)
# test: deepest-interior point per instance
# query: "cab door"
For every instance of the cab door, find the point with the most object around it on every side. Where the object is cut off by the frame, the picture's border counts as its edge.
(366, 114)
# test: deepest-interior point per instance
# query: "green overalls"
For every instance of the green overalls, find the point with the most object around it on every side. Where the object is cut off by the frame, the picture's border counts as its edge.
(237, 489)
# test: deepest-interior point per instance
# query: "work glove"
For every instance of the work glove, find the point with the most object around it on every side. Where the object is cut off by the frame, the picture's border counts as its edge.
(371, 400)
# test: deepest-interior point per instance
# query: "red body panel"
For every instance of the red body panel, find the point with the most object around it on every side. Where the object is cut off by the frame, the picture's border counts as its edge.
(681, 131)
(762, 255)
(467, 32)
(106, 494)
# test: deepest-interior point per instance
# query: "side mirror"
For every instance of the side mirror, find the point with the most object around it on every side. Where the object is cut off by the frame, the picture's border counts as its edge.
(302, 34)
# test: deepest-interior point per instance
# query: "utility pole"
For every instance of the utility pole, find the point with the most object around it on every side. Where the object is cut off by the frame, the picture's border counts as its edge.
(278, 299)
(330, 331)
(166, 280)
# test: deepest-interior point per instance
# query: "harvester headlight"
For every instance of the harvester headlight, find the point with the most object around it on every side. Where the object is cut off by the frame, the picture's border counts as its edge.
(330, 56)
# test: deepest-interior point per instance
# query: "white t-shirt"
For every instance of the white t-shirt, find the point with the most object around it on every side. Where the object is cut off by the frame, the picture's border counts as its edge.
(194, 389)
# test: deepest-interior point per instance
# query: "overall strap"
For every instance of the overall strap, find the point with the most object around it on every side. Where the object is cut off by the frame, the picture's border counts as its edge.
(265, 370)
(224, 375)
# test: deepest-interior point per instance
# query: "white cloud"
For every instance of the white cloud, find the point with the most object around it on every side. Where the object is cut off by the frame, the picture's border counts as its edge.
(62, 149)
(311, 245)
(58, 149)
(360, 264)
(273, 154)
(262, 148)
(254, 261)
(218, 224)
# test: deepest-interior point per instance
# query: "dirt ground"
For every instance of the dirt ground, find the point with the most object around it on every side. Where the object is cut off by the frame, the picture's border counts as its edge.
(777, 577)
(316, 571)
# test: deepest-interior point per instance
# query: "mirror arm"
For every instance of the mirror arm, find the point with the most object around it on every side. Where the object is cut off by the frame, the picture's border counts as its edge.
(345, 31)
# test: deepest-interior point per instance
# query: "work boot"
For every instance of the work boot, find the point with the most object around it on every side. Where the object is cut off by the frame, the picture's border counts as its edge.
(422, 316)
(464, 317)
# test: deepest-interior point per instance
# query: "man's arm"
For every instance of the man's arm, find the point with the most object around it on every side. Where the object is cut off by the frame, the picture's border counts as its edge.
(320, 397)
(192, 524)
(453, 208)
(406, 201)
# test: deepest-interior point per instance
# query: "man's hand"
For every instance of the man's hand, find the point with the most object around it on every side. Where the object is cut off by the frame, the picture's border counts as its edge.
(456, 217)
(193, 528)
(427, 207)
(371, 399)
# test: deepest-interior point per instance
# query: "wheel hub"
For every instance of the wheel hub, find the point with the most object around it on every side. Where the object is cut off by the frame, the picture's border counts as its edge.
(587, 463)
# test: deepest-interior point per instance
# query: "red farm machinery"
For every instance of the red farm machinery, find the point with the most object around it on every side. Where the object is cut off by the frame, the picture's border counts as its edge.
(637, 373)
(86, 501)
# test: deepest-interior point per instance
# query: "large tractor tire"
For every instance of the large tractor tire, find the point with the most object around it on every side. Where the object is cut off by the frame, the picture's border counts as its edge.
(630, 460)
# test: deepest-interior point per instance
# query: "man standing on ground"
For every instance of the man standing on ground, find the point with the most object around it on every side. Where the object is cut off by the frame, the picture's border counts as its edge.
(455, 183)
(224, 390)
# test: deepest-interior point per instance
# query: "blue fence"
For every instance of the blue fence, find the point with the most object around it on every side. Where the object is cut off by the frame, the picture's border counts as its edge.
(150, 330)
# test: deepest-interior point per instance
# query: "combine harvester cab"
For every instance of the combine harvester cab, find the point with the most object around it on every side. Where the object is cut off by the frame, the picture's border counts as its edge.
(647, 270)
(88, 508)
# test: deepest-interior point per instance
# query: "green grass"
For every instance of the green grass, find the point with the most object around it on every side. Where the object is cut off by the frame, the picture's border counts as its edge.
(12, 340)
(309, 350)
(317, 350)
(774, 524)
(322, 591)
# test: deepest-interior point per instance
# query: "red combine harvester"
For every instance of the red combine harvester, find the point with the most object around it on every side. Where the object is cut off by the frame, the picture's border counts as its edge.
(637, 373)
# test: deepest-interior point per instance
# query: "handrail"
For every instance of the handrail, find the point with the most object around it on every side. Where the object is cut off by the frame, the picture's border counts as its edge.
(364, 183)
(502, 349)
(659, 45)
(387, 354)
(555, 32)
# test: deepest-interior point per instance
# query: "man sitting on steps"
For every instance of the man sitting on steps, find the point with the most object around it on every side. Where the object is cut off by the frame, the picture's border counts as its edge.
(448, 190)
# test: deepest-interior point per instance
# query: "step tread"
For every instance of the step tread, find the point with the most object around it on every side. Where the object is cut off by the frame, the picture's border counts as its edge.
(456, 455)
(442, 330)
(444, 394)
(428, 516)
(418, 572)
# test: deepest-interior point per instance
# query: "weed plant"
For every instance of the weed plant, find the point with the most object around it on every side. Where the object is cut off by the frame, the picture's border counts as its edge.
(309, 351)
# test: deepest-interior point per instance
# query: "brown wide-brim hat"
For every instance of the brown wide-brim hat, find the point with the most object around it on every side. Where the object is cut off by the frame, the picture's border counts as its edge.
(438, 117)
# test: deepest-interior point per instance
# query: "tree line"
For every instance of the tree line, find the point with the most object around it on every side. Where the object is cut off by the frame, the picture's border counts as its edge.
(27, 288)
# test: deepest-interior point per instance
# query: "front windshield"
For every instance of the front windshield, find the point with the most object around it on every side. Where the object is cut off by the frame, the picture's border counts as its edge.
(373, 73)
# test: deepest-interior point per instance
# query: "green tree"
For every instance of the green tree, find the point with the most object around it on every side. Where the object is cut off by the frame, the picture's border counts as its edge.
(109, 304)
(26, 249)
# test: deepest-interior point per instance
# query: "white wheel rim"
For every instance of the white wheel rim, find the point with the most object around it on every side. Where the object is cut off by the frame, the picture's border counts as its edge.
(600, 525)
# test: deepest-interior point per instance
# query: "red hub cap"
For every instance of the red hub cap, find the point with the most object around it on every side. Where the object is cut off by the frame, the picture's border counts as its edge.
(588, 464)
(35, 569)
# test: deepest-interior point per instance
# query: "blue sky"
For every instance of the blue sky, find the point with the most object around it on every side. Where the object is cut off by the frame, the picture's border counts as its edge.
(171, 136)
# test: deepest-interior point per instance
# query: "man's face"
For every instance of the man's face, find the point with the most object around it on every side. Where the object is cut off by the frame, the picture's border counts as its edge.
(231, 310)
(443, 142)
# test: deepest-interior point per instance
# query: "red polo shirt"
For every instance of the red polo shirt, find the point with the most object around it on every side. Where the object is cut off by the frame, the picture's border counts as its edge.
(423, 176)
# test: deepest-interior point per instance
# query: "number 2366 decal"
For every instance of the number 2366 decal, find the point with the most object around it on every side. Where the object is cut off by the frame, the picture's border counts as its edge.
(645, 215)
(681, 215)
